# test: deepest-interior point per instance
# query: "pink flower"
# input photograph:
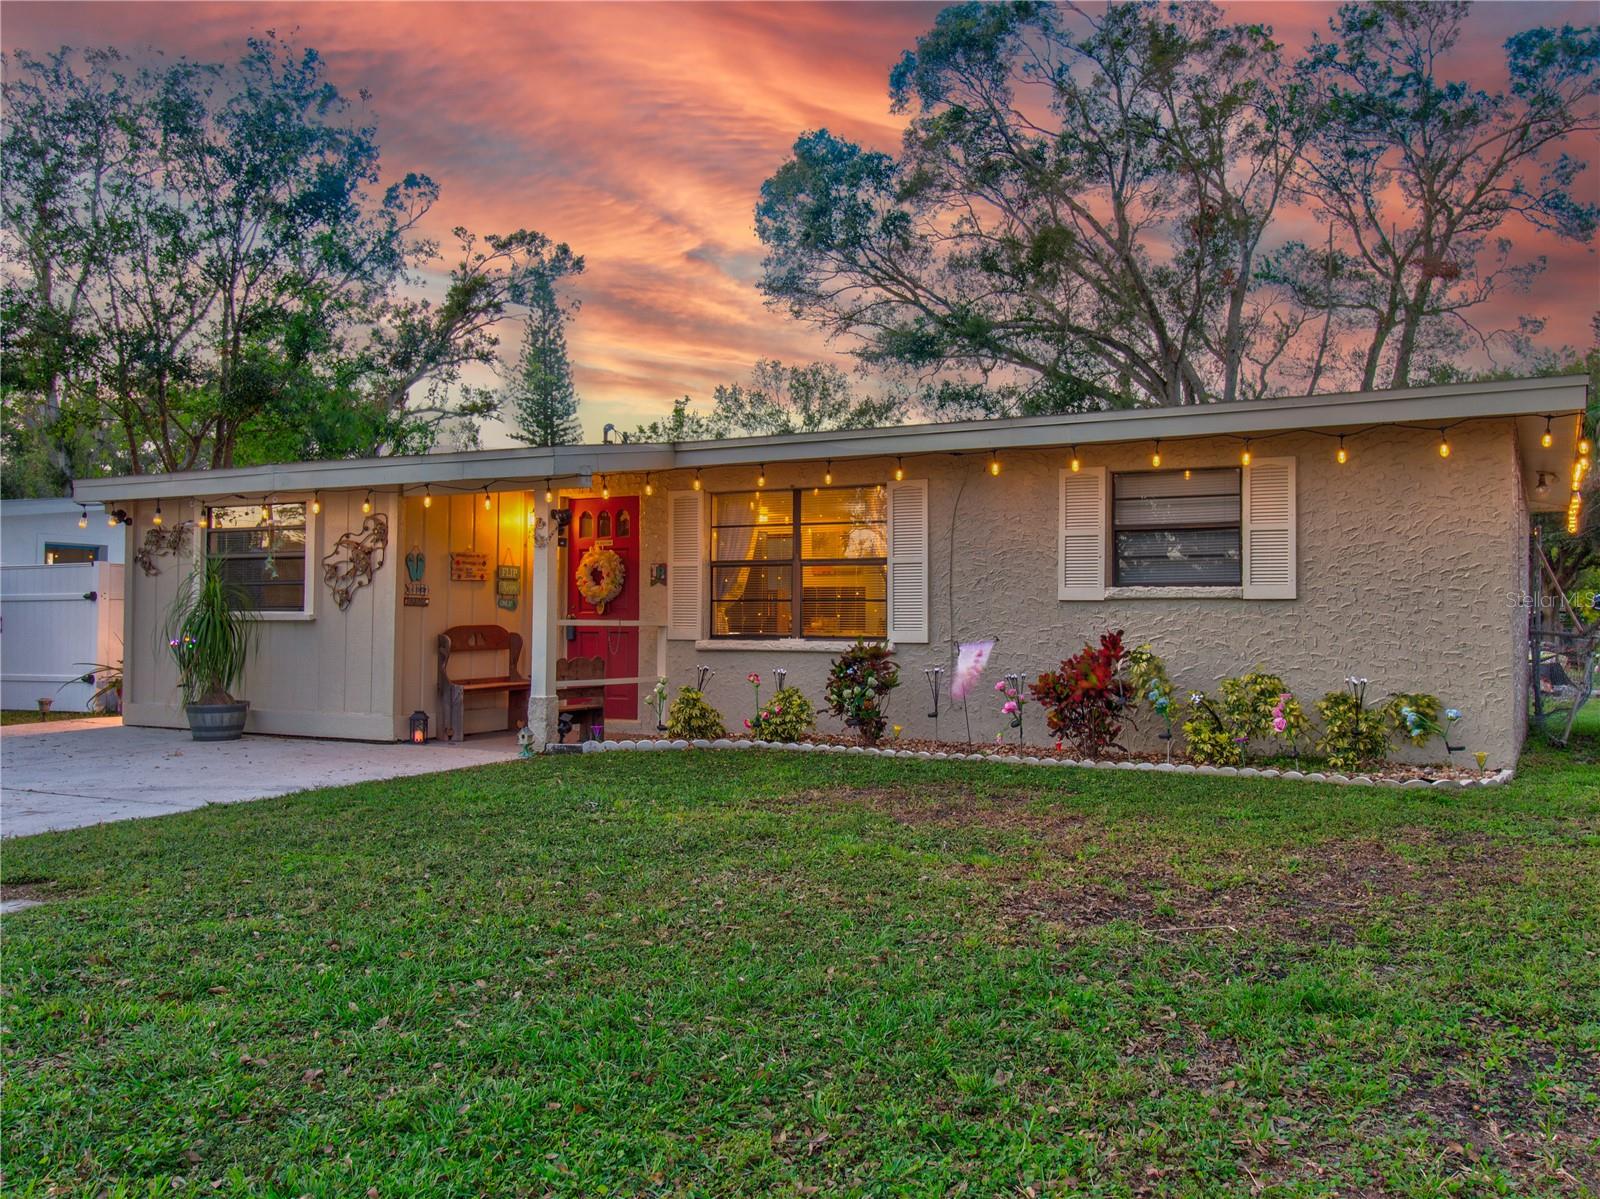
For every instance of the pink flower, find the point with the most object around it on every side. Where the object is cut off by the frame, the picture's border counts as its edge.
(753, 677)
(1009, 707)
(747, 724)
(1279, 723)
(1000, 686)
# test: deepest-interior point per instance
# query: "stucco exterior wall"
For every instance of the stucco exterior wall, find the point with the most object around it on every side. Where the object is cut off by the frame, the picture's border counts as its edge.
(1409, 569)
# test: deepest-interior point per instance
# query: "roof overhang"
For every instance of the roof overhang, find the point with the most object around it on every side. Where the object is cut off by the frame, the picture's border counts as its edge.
(1529, 401)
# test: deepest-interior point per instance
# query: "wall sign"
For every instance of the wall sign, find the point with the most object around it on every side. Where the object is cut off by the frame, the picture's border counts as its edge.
(507, 586)
(416, 591)
(469, 567)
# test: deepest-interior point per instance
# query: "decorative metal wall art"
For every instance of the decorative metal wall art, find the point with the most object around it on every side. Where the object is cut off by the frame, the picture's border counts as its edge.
(355, 558)
(162, 542)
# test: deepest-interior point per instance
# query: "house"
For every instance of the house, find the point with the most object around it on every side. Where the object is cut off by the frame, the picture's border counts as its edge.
(1383, 535)
(60, 601)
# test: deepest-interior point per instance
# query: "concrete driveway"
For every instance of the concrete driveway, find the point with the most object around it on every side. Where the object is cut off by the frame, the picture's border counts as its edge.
(67, 774)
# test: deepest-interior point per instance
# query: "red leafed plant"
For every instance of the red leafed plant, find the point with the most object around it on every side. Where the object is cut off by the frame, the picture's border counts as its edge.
(1084, 701)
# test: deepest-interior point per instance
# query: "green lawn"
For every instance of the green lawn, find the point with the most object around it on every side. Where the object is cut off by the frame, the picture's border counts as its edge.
(754, 974)
(34, 716)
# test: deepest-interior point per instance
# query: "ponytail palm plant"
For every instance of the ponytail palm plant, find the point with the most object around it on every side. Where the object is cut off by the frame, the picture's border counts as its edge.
(209, 631)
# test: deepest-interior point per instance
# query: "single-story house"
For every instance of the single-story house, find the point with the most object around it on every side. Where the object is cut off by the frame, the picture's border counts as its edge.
(1382, 535)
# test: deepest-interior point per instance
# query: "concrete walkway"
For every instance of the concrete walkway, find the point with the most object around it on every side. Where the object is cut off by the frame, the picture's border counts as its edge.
(71, 773)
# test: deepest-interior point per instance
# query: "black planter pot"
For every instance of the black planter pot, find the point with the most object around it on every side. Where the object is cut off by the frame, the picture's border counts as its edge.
(217, 722)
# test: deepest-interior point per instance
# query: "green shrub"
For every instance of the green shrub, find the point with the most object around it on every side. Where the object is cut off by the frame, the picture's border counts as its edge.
(859, 683)
(1258, 706)
(788, 716)
(1353, 735)
(1147, 677)
(692, 718)
(1207, 735)
(1420, 704)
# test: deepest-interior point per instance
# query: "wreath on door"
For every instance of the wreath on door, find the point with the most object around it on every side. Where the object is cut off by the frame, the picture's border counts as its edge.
(600, 576)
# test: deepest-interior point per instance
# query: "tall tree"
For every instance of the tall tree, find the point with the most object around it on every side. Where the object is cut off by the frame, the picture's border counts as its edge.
(202, 267)
(1420, 176)
(539, 396)
(1080, 200)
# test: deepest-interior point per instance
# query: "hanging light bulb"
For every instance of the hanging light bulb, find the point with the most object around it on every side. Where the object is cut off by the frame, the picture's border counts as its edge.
(1543, 488)
(266, 514)
(1076, 465)
(549, 495)
(427, 497)
(366, 505)
(1244, 458)
(697, 480)
(1444, 445)
(111, 519)
(649, 487)
(899, 470)
(605, 488)
(156, 519)
(202, 521)
(1341, 456)
(1548, 439)
(83, 517)
(827, 474)
(316, 504)
(1155, 458)
(994, 464)
(761, 476)
(486, 499)
(1584, 447)
(1187, 473)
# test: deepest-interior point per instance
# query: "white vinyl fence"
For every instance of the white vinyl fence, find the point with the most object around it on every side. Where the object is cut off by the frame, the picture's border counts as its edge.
(53, 621)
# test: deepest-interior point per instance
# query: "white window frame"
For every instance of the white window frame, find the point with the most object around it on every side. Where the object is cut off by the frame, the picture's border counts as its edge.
(307, 609)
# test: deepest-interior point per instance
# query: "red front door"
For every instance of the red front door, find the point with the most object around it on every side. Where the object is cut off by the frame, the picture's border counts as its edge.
(613, 523)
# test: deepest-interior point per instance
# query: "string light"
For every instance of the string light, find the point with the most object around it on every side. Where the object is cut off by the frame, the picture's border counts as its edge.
(83, 517)
(994, 463)
(549, 496)
(202, 521)
(899, 470)
(316, 504)
(1342, 455)
(486, 499)
(697, 480)
(761, 476)
(605, 488)
(1187, 473)
(827, 474)
(427, 497)
(1076, 465)
(366, 505)
(1155, 458)
(111, 519)
(649, 487)
(266, 514)
(1583, 446)
(156, 519)
(1548, 439)
(1244, 458)
(1444, 445)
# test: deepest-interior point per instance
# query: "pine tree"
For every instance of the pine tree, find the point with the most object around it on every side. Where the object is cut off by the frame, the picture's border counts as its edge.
(539, 398)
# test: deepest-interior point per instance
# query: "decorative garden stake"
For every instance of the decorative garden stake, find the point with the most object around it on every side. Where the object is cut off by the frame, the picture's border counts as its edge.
(703, 674)
(658, 701)
(754, 680)
(934, 675)
(1011, 688)
(780, 674)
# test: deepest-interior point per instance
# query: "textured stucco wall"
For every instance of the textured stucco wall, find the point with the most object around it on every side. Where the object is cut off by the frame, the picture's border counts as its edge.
(1409, 571)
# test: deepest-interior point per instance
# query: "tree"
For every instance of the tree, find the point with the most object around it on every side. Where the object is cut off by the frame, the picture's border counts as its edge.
(1079, 201)
(1417, 177)
(540, 395)
(778, 399)
(202, 268)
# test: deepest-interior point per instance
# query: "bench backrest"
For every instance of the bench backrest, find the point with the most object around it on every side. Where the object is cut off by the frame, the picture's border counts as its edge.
(580, 668)
(479, 638)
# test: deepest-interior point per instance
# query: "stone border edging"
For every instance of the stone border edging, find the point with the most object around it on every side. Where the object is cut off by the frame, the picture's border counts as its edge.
(1496, 779)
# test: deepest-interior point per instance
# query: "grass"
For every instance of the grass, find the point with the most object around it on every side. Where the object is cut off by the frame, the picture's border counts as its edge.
(34, 716)
(765, 974)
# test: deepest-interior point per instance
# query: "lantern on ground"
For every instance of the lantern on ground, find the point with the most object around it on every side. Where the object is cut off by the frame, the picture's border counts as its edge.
(418, 726)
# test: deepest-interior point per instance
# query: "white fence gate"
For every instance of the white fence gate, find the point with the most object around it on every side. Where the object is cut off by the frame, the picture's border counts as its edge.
(56, 621)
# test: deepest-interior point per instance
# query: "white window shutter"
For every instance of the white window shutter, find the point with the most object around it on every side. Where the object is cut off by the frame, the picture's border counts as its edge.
(1082, 534)
(908, 562)
(1269, 529)
(686, 564)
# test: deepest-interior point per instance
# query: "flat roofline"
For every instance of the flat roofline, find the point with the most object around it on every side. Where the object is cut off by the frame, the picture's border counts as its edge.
(530, 466)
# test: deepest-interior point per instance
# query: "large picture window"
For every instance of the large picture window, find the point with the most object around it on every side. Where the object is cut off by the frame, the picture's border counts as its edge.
(809, 563)
(262, 550)
(1177, 528)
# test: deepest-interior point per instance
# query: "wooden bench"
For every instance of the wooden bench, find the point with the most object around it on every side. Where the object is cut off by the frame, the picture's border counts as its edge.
(473, 639)
(579, 704)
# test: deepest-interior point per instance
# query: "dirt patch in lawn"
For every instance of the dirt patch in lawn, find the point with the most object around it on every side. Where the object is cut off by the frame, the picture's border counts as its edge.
(1327, 892)
(954, 806)
(35, 890)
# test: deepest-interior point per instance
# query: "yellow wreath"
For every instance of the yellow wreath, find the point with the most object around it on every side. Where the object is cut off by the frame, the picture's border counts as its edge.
(600, 576)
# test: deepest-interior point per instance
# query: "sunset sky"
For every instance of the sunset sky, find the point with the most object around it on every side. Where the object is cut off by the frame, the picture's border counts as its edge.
(639, 134)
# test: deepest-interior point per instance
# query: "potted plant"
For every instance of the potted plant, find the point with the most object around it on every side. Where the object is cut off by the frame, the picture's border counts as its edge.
(208, 629)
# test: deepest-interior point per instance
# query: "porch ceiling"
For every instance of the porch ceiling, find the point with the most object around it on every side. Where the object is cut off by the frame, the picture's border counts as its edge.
(1529, 400)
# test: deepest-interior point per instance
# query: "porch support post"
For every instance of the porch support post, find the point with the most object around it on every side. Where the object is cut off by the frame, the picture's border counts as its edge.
(544, 635)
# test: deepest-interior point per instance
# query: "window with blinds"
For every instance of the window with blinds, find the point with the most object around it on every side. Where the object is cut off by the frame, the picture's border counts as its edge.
(1177, 528)
(262, 551)
(803, 563)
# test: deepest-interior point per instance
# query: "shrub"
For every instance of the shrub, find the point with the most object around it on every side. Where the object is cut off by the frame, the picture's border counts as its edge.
(787, 717)
(1085, 700)
(692, 718)
(858, 689)
(1413, 716)
(1210, 738)
(1258, 706)
(1353, 735)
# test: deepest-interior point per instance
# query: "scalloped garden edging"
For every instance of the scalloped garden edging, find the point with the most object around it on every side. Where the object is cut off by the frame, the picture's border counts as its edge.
(1491, 779)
